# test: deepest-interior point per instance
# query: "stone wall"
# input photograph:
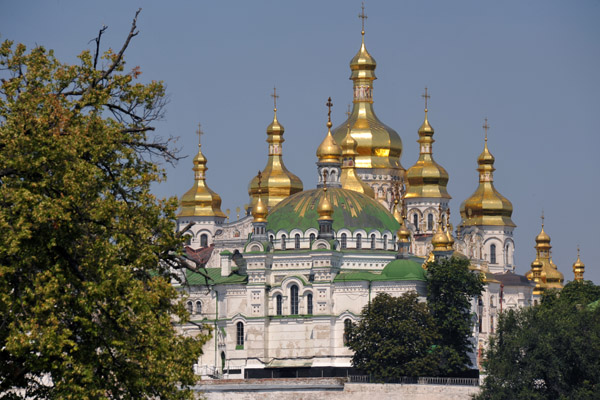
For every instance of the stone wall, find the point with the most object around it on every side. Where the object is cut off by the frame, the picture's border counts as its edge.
(326, 388)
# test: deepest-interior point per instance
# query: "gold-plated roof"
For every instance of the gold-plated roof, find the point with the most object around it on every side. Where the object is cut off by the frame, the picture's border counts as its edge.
(486, 206)
(550, 276)
(403, 233)
(349, 178)
(260, 211)
(200, 200)
(426, 178)
(325, 209)
(278, 181)
(440, 239)
(329, 151)
(379, 146)
(578, 267)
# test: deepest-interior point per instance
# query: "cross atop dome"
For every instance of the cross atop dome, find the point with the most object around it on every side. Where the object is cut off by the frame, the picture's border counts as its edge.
(363, 16)
(426, 97)
(275, 96)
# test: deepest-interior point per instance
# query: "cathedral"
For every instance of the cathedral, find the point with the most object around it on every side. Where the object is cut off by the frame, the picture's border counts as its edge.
(278, 285)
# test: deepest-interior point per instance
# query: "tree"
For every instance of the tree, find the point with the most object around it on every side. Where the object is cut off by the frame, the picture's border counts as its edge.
(450, 288)
(550, 351)
(87, 308)
(394, 338)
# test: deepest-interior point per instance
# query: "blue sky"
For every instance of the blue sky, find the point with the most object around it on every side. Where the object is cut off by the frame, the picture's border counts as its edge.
(531, 67)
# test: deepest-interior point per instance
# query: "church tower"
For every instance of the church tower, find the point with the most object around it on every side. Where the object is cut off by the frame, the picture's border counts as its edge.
(200, 209)
(278, 182)
(379, 147)
(486, 227)
(547, 272)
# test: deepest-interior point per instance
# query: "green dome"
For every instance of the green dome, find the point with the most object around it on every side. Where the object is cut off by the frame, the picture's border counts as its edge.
(351, 210)
(404, 270)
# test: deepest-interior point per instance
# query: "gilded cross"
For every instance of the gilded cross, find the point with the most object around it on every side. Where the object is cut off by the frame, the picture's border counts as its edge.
(199, 133)
(426, 97)
(542, 219)
(486, 127)
(363, 16)
(329, 104)
(275, 96)
(259, 175)
(348, 112)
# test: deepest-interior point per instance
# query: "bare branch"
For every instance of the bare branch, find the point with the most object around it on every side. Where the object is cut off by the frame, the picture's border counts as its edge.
(97, 40)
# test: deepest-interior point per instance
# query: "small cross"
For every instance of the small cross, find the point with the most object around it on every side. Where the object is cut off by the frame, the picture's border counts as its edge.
(542, 219)
(259, 180)
(363, 16)
(426, 97)
(275, 96)
(486, 127)
(199, 133)
(329, 104)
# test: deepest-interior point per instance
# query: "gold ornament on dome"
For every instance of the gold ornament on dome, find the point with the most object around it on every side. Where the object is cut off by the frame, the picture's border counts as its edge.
(549, 275)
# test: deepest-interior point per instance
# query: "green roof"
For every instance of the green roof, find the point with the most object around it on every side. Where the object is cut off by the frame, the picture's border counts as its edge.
(352, 210)
(396, 270)
(195, 278)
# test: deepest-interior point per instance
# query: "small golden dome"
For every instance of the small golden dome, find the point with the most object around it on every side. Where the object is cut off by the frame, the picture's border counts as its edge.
(397, 214)
(349, 178)
(324, 209)
(449, 235)
(578, 267)
(329, 151)
(403, 234)
(275, 128)
(543, 237)
(440, 239)
(363, 64)
(260, 211)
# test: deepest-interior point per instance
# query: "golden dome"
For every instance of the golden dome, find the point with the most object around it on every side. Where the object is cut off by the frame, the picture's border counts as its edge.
(543, 237)
(378, 145)
(329, 151)
(278, 182)
(426, 178)
(260, 211)
(349, 178)
(440, 239)
(486, 206)
(578, 267)
(324, 209)
(403, 234)
(550, 276)
(449, 233)
(200, 200)
(397, 214)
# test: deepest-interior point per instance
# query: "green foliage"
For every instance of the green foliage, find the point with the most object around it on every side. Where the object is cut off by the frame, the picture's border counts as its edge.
(394, 338)
(450, 288)
(550, 351)
(86, 305)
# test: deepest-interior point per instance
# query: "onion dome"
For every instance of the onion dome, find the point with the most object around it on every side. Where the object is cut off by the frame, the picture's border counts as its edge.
(378, 145)
(403, 234)
(349, 178)
(550, 276)
(426, 178)
(329, 151)
(260, 211)
(486, 206)
(578, 268)
(397, 214)
(278, 182)
(200, 200)
(440, 239)
(324, 209)
(351, 210)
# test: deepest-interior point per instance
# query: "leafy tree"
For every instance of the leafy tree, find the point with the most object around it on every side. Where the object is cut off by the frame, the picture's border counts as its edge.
(394, 338)
(450, 288)
(550, 351)
(86, 305)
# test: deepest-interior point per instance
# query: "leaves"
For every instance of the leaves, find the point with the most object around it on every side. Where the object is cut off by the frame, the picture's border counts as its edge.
(86, 304)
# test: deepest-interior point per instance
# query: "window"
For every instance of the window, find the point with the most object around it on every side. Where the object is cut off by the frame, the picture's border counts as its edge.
(358, 240)
(294, 300)
(385, 242)
(312, 237)
(309, 305)
(347, 327)
(279, 304)
(491, 324)
(429, 222)
(271, 239)
(240, 336)
(493, 254)
(222, 361)
(282, 242)
(190, 307)
(204, 240)
(416, 221)
(297, 241)
(344, 241)
(198, 307)
(373, 241)
(506, 258)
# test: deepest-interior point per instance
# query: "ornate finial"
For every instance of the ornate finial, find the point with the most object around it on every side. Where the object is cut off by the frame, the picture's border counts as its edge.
(542, 218)
(275, 96)
(485, 128)
(259, 175)
(426, 97)
(363, 16)
(577, 251)
(199, 133)
(329, 104)
(349, 111)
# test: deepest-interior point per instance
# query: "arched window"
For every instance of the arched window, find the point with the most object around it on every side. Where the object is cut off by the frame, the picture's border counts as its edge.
(271, 238)
(188, 239)
(385, 242)
(347, 327)
(506, 257)
(309, 304)
(312, 237)
(297, 241)
(240, 336)
(373, 241)
(204, 240)
(190, 307)
(493, 254)
(198, 307)
(416, 221)
(282, 242)
(279, 304)
(294, 300)
(344, 241)
(222, 361)
(358, 240)
(429, 222)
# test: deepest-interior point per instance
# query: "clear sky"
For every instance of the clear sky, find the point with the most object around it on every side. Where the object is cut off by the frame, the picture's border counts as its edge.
(532, 67)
